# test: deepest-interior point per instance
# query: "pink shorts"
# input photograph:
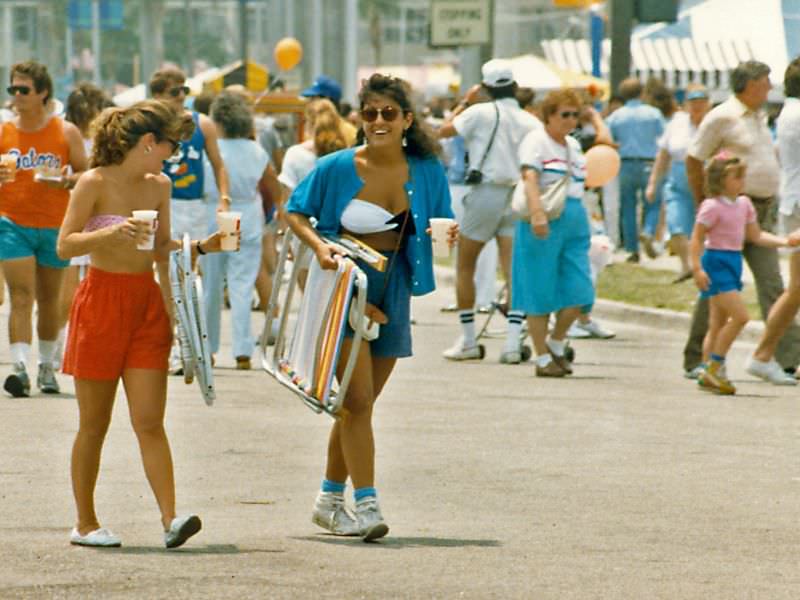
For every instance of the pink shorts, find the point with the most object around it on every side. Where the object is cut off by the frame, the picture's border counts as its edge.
(117, 322)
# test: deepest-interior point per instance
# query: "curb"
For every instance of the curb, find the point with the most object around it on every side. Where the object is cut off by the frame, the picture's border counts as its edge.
(656, 318)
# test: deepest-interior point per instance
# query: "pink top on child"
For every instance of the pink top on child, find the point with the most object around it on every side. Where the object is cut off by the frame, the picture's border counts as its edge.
(725, 221)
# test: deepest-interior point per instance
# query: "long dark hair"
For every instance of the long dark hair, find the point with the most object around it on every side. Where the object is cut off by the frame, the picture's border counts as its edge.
(420, 139)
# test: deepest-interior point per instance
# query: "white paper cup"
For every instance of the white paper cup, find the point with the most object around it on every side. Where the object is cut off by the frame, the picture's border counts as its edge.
(439, 235)
(147, 215)
(229, 224)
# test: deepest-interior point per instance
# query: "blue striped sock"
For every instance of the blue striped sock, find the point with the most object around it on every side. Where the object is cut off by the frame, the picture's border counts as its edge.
(332, 486)
(717, 358)
(365, 492)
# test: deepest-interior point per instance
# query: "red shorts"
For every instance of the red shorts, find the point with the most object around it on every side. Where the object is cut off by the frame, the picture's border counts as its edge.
(117, 322)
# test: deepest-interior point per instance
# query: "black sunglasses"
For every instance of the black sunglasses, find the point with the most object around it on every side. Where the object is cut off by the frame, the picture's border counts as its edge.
(387, 113)
(570, 114)
(175, 92)
(22, 89)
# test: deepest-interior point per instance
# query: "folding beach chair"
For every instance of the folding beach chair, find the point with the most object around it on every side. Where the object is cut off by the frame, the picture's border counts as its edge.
(190, 317)
(306, 353)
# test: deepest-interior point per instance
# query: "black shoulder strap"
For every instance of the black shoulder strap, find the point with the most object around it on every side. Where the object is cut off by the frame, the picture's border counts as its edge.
(491, 139)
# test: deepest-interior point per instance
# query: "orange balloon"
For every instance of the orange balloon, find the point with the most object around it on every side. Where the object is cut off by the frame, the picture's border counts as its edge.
(288, 52)
(602, 165)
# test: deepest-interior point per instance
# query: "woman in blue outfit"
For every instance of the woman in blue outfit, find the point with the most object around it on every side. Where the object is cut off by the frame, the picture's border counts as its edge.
(383, 192)
(247, 165)
(550, 261)
(671, 158)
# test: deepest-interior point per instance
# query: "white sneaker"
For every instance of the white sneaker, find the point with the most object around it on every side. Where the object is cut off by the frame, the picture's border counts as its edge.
(595, 330)
(694, 373)
(574, 332)
(370, 521)
(510, 357)
(459, 352)
(99, 538)
(46, 379)
(181, 529)
(331, 513)
(769, 371)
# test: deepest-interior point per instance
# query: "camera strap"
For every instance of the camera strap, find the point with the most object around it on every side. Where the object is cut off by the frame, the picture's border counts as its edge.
(491, 139)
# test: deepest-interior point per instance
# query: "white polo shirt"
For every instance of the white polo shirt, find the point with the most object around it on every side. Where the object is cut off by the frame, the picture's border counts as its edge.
(476, 124)
(678, 136)
(788, 126)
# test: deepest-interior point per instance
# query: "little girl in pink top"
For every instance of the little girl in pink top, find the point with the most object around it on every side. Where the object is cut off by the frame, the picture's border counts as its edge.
(725, 220)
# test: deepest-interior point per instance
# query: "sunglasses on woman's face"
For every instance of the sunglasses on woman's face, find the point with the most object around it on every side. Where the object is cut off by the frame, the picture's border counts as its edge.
(570, 114)
(22, 89)
(176, 91)
(387, 113)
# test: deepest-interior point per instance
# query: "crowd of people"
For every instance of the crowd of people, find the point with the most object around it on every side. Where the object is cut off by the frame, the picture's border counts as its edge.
(706, 179)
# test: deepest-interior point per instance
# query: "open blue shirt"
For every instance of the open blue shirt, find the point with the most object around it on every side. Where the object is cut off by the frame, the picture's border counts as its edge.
(334, 182)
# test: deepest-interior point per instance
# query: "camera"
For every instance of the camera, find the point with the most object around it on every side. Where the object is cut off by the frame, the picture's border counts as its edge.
(474, 177)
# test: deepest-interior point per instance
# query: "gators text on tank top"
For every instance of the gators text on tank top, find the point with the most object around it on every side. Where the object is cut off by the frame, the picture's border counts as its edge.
(25, 201)
(186, 172)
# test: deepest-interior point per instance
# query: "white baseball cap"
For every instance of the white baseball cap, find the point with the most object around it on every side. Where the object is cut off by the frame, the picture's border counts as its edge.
(497, 73)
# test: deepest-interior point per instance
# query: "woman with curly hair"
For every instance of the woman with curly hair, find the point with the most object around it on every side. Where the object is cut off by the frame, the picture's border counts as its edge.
(248, 166)
(119, 325)
(382, 192)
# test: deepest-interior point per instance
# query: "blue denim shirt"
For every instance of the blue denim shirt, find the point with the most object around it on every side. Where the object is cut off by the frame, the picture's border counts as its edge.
(637, 127)
(334, 182)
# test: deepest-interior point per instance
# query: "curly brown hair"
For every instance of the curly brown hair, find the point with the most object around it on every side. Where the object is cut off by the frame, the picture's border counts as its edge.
(117, 130)
(84, 103)
(558, 98)
(420, 139)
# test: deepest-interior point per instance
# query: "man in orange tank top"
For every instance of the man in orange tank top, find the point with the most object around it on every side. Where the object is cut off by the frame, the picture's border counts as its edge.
(31, 210)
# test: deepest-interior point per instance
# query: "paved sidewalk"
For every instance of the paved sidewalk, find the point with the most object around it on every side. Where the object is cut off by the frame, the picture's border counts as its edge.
(624, 481)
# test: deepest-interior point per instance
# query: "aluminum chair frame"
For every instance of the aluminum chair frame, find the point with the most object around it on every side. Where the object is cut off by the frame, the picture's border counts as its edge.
(190, 319)
(271, 359)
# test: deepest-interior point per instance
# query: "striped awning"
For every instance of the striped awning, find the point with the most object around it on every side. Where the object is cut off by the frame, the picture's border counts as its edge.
(677, 61)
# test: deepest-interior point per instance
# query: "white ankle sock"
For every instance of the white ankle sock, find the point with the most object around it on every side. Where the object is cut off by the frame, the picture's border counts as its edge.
(20, 351)
(47, 351)
(543, 360)
(514, 330)
(556, 347)
(467, 318)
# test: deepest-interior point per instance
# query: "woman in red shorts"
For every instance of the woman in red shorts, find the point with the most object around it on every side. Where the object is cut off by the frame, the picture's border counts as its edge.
(119, 324)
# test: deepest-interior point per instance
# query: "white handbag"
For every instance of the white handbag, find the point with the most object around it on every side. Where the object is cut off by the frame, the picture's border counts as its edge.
(553, 199)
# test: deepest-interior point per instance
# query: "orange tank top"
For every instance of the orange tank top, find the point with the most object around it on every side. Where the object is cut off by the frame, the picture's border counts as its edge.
(24, 201)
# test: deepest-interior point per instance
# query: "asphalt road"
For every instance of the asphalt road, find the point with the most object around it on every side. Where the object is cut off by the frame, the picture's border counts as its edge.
(623, 481)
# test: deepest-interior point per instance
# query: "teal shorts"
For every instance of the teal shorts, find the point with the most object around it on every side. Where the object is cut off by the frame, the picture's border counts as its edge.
(17, 241)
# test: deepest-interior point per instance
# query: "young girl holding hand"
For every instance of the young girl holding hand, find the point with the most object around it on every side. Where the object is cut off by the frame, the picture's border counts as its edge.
(725, 220)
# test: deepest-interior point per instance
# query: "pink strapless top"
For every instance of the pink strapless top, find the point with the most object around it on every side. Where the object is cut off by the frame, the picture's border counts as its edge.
(99, 221)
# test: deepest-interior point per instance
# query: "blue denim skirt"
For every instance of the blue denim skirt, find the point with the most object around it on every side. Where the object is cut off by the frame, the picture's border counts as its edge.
(394, 337)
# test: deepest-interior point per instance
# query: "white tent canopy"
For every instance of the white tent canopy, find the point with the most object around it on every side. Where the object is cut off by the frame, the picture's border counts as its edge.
(709, 39)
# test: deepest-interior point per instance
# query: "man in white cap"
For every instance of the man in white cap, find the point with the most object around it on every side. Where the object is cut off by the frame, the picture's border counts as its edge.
(492, 132)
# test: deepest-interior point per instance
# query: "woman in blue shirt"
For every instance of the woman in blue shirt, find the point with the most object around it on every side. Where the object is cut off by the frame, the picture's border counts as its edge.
(383, 192)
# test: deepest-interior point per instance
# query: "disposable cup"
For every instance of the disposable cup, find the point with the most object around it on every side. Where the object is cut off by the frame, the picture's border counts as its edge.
(439, 234)
(228, 222)
(10, 161)
(147, 215)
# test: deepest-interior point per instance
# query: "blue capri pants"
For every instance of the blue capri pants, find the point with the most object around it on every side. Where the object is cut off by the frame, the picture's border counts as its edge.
(679, 201)
(550, 274)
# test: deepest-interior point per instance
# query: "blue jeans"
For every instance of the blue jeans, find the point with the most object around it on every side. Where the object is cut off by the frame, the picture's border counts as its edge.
(633, 176)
